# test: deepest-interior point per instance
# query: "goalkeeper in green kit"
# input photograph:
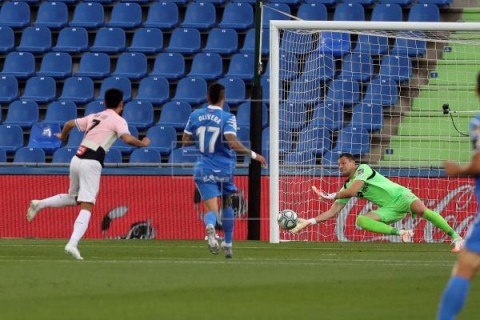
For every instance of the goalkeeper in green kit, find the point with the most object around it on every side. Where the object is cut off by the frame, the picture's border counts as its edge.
(393, 201)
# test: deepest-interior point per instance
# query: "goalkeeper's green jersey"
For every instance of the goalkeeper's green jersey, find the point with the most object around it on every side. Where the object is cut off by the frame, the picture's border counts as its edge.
(377, 189)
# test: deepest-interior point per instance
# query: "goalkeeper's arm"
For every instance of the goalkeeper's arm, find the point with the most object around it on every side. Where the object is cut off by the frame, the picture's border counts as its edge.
(330, 213)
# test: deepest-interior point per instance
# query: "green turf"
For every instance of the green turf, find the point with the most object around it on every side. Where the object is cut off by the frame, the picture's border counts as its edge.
(182, 280)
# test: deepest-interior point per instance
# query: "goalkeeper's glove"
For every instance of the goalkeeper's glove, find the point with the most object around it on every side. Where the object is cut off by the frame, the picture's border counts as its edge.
(324, 195)
(301, 224)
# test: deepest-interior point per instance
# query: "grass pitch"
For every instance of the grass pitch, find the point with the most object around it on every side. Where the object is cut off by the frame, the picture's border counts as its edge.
(127, 279)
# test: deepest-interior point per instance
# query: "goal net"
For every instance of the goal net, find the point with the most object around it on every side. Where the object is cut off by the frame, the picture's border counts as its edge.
(398, 96)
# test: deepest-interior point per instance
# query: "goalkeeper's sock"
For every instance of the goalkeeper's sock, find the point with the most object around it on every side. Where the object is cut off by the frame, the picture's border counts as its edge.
(228, 222)
(438, 221)
(79, 227)
(453, 298)
(58, 201)
(210, 218)
(370, 224)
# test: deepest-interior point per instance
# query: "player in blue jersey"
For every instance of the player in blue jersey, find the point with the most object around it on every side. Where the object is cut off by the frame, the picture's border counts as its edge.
(214, 132)
(468, 260)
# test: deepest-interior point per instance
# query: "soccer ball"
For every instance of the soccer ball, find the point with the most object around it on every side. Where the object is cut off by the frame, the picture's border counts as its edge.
(287, 219)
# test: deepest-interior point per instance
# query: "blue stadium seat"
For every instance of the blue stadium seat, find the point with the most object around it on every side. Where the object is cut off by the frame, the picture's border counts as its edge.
(289, 2)
(244, 1)
(298, 43)
(123, 147)
(126, 15)
(324, 2)
(191, 90)
(60, 112)
(169, 65)
(200, 15)
(207, 65)
(305, 91)
(19, 64)
(440, 3)
(330, 158)
(284, 141)
(243, 135)
(343, 91)
(109, 40)
(94, 107)
(63, 155)
(424, 12)
(382, 91)
(43, 136)
(265, 83)
(222, 41)
(3, 155)
(103, 2)
(289, 66)
(403, 3)
(138, 114)
(147, 40)
(353, 140)
(235, 90)
(249, 42)
(410, 44)
(163, 138)
(238, 16)
(183, 155)
(349, 12)
(292, 116)
(113, 156)
(367, 116)
(269, 14)
(8, 88)
(132, 65)
(29, 155)
(53, 15)
(319, 66)
(11, 137)
(7, 39)
(22, 113)
(314, 139)
(387, 12)
(78, 89)
(57, 65)
(312, 11)
(334, 43)
(397, 68)
(155, 90)
(184, 40)
(328, 115)
(75, 138)
(243, 115)
(94, 65)
(120, 83)
(35, 39)
(372, 45)
(305, 158)
(15, 15)
(163, 15)
(357, 67)
(40, 89)
(364, 3)
(88, 15)
(64, 1)
(145, 155)
(241, 66)
(72, 40)
(175, 114)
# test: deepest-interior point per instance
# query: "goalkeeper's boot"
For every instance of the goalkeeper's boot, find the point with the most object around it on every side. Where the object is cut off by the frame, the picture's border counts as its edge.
(301, 224)
(228, 250)
(212, 240)
(73, 251)
(33, 210)
(406, 235)
(458, 244)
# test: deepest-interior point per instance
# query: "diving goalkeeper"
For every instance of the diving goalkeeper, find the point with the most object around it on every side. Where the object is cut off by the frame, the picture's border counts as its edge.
(393, 201)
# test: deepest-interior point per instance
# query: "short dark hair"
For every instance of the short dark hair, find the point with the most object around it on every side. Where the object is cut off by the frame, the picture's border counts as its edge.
(347, 155)
(216, 92)
(113, 97)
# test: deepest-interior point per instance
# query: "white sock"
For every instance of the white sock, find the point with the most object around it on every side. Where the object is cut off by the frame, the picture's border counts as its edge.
(58, 201)
(79, 227)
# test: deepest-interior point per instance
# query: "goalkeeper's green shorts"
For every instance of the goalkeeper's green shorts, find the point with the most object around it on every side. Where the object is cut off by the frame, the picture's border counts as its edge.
(397, 209)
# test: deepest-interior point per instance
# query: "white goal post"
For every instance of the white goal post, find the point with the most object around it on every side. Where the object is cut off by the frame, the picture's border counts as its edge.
(409, 144)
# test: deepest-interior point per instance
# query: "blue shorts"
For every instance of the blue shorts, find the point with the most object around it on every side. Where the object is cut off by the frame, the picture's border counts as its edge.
(213, 183)
(472, 242)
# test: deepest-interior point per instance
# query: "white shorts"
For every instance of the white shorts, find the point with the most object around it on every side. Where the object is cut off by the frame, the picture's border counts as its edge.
(84, 179)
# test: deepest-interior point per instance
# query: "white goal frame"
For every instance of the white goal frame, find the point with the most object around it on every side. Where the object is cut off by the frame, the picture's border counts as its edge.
(275, 27)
